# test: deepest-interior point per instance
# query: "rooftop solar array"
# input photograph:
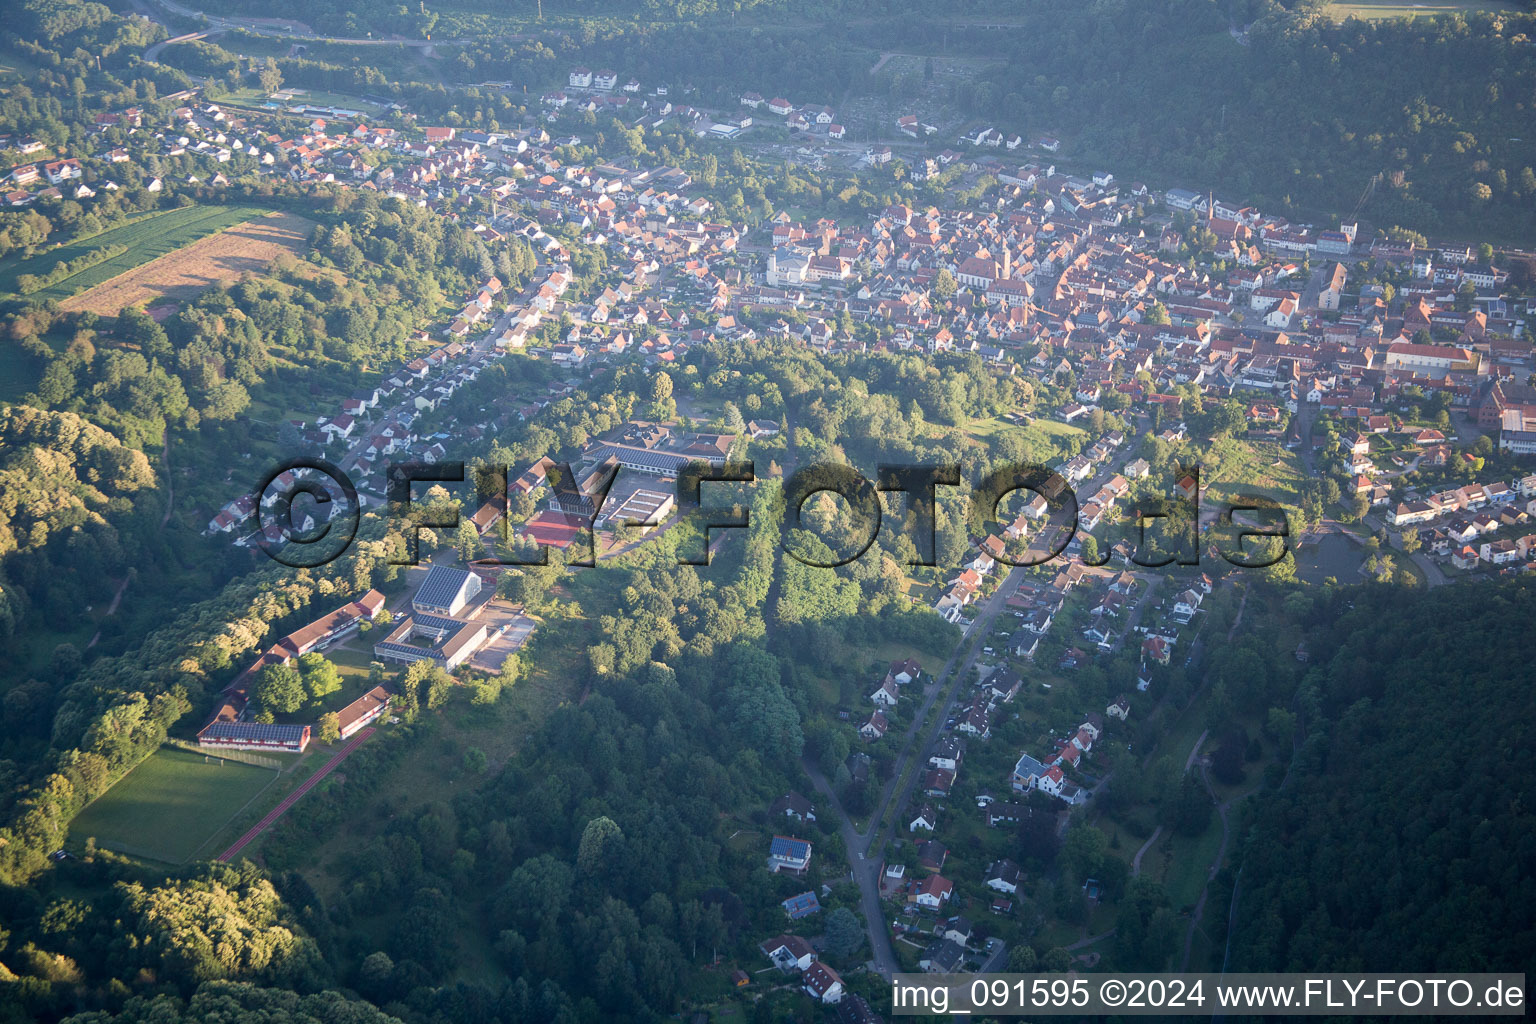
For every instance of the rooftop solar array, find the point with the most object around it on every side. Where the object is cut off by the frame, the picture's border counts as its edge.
(802, 906)
(437, 623)
(403, 650)
(441, 587)
(656, 462)
(253, 732)
(783, 846)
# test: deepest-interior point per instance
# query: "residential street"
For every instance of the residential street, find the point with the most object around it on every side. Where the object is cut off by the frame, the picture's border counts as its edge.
(866, 849)
(863, 858)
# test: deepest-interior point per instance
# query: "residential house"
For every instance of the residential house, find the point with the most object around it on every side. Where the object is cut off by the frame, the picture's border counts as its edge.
(1004, 876)
(793, 805)
(789, 953)
(822, 983)
(786, 853)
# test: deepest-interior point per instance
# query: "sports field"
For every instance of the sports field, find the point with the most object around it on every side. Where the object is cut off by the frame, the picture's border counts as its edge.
(170, 806)
(185, 270)
(146, 239)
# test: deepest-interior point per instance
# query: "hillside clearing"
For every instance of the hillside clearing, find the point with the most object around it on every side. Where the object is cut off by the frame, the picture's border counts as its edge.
(217, 259)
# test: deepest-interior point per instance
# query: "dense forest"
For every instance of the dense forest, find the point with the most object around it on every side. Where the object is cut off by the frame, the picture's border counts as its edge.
(1402, 838)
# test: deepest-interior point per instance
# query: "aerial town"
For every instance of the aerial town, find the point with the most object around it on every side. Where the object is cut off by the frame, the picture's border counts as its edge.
(547, 358)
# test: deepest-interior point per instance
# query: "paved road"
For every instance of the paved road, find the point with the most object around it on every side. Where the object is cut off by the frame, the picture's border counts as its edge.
(864, 853)
(997, 960)
(153, 53)
(863, 857)
(293, 30)
(865, 874)
(293, 798)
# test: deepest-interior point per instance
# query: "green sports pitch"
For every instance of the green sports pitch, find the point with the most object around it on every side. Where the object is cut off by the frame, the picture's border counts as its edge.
(169, 807)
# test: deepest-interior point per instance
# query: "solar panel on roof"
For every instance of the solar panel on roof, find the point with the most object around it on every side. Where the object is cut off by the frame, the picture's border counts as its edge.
(252, 731)
(437, 623)
(404, 650)
(783, 847)
(802, 906)
(647, 459)
(441, 587)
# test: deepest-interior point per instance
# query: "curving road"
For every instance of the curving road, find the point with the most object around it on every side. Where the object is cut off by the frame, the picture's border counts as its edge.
(864, 857)
(293, 30)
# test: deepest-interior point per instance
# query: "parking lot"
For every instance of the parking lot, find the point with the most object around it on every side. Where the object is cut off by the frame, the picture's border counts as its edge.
(510, 630)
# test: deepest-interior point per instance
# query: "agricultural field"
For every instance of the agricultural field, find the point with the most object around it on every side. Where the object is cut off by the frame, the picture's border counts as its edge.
(185, 270)
(145, 239)
(170, 806)
(1371, 10)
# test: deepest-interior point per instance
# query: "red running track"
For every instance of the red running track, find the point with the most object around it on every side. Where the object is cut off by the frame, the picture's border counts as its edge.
(293, 798)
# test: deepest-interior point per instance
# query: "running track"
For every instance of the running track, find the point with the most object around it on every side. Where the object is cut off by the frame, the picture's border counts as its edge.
(293, 798)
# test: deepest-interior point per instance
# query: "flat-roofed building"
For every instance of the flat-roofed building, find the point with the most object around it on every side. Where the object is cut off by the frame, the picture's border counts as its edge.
(644, 508)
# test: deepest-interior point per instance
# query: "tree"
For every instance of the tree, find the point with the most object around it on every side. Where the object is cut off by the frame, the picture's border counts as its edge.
(1022, 959)
(270, 77)
(601, 836)
(661, 387)
(330, 727)
(475, 761)
(1082, 850)
(439, 686)
(1280, 724)
(279, 689)
(321, 678)
(733, 420)
(1190, 810)
(1038, 838)
(944, 286)
(467, 541)
(845, 936)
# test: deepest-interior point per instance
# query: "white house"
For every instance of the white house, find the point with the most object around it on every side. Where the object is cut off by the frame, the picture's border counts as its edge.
(1185, 607)
(823, 984)
(789, 953)
(933, 892)
(1004, 876)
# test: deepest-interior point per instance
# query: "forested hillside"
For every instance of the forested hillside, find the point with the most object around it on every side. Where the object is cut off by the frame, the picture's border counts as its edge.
(1404, 836)
(61, 476)
(1307, 111)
